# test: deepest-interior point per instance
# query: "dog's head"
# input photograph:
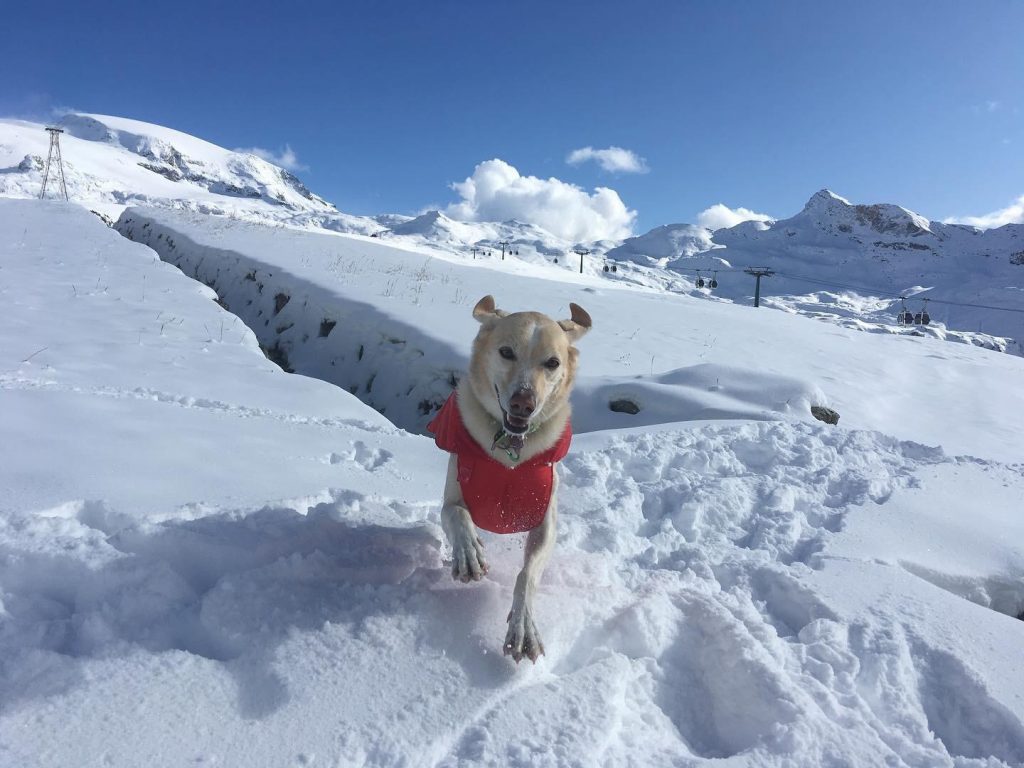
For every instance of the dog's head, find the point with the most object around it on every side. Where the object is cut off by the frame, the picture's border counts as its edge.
(523, 364)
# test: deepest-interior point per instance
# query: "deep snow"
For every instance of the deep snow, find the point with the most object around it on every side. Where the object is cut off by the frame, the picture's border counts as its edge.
(206, 561)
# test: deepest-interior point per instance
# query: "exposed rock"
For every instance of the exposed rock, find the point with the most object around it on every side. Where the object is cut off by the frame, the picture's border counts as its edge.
(104, 218)
(31, 163)
(821, 413)
(167, 172)
(624, 405)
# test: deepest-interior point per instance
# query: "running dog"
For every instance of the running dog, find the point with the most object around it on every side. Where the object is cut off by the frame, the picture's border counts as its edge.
(506, 426)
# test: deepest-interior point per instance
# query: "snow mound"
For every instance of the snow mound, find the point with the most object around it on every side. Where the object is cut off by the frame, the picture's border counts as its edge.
(696, 393)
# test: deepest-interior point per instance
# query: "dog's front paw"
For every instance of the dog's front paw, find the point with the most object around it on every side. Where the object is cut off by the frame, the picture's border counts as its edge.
(522, 639)
(468, 563)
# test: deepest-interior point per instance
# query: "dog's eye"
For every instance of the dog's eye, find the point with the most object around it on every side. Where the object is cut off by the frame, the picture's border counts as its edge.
(507, 353)
(552, 363)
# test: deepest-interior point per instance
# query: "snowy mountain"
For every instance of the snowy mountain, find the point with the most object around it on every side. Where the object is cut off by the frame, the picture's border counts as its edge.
(112, 162)
(833, 261)
(206, 561)
(859, 251)
(848, 264)
(664, 245)
(531, 242)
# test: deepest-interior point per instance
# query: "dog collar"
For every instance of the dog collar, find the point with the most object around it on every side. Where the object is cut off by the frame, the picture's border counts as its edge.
(512, 444)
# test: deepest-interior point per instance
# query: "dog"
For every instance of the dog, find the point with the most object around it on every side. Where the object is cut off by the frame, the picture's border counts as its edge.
(506, 427)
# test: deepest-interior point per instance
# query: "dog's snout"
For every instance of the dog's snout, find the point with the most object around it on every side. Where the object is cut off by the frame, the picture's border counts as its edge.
(522, 403)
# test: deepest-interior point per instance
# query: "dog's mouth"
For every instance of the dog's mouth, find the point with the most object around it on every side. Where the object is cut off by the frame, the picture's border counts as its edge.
(514, 425)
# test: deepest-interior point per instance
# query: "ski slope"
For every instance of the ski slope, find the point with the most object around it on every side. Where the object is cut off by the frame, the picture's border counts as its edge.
(204, 560)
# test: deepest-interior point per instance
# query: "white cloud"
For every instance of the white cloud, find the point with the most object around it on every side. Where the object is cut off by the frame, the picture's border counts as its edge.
(614, 159)
(497, 192)
(286, 158)
(1011, 214)
(719, 216)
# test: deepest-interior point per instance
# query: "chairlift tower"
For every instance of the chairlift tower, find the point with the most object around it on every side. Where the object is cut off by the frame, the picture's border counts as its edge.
(758, 273)
(505, 244)
(581, 252)
(54, 152)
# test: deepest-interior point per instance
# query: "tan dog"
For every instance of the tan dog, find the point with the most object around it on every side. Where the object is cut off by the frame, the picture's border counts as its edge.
(507, 425)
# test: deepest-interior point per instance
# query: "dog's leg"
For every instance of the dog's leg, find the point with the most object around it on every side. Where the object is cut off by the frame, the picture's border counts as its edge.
(468, 562)
(522, 638)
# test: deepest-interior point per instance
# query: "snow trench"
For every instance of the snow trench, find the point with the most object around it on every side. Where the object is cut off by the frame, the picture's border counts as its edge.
(309, 326)
(393, 367)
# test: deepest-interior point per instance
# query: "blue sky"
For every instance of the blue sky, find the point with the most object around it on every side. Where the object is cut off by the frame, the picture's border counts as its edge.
(386, 104)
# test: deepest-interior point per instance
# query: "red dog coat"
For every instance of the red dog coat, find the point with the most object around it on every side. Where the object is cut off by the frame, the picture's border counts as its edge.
(500, 499)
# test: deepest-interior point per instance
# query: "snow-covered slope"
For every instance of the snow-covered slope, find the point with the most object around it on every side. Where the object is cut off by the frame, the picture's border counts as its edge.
(403, 315)
(205, 561)
(111, 162)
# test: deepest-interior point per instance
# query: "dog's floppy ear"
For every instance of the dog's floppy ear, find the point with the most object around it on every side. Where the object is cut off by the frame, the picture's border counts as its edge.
(486, 313)
(580, 323)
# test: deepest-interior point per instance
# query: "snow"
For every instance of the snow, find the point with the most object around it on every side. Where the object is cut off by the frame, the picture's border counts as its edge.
(205, 560)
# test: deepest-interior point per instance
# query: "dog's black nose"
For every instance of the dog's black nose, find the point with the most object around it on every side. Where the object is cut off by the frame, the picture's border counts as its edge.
(522, 403)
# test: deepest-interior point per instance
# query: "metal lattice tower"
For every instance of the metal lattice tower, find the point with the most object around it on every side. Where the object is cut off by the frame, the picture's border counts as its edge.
(54, 152)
